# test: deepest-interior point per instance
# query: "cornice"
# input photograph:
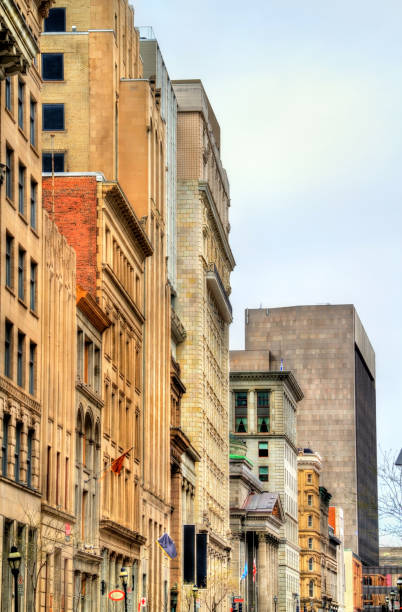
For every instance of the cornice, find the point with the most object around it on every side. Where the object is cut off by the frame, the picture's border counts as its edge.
(177, 328)
(204, 189)
(91, 395)
(119, 287)
(27, 47)
(90, 308)
(18, 395)
(284, 376)
(112, 528)
(57, 513)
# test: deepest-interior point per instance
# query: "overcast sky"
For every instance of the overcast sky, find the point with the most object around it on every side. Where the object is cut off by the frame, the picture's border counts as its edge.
(309, 99)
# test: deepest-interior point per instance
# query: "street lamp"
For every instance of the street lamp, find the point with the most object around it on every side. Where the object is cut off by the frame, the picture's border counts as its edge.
(275, 602)
(387, 602)
(174, 594)
(399, 585)
(195, 592)
(14, 559)
(124, 580)
(392, 596)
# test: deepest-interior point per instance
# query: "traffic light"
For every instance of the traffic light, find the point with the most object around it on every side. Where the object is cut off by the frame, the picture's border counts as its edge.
(234, 607)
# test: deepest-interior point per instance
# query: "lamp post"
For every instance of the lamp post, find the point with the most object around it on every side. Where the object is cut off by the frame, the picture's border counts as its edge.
(174, 594)
(124, 579)
(275, 602)
(392, 597)
(195, 593)
(14, 559)
(399, 585)
(387, 602)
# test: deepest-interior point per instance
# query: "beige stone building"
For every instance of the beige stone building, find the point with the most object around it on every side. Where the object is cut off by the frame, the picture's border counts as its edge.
(263, 413)
(204, 264)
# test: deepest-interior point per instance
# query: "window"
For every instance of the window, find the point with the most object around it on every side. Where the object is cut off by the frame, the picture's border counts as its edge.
(263, 473)
(33, 287)
(310, 520)
(241, 411)
(21, 94)
(52, 66)
(309, 500)
(9, 260)
(32, 367)
(56, 20)
(311, 564)
(4, 446)
(53, 117)
(29, 456)
(58, 162)
(21, 274)
(9, 172)
(8, 349)
(310, 543)
(263, 449)
(32, 122)
(17, 451)
(311, 588)
(21, 189)
(8, 94)
(34, 206)
(309, 478)
(263, 411)
(20, 359)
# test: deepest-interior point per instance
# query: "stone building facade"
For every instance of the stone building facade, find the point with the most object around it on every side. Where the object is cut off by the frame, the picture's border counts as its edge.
(263, 413)
(204, 264)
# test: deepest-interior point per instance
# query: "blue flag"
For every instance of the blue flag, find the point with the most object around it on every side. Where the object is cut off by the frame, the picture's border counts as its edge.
(168, 546)
(245, 571)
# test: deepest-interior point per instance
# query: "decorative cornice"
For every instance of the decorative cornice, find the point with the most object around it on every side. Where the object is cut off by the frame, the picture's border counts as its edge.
(217, 289)
(57, 513)
(205, 190)
(92, 311)
(266, 376)
(18, 395)
(17, 44)
(122, 290)
(112, 528)
(177, 328)
(44, 7)
(91, 395)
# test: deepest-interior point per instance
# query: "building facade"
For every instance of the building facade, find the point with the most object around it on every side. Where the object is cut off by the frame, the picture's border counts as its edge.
(353, 582)
(263, 413)
(328, 350)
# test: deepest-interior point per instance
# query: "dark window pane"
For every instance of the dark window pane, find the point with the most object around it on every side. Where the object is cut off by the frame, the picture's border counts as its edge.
(9, 173)
(9, 260)
(53, 117)
(58, 162)
(32, 122)
(21, 189)
(263, 449)
(29, 457)
(21, 274)
(34, 187)
(8, 348)
(8, 93)
(56, 21)
(32, 353)
(241, 398)
(263, 473)
(241, 424)
(20, 359)
(17, 451)
(33, 286)
(52, 66)
(21, 91)
(4, 446)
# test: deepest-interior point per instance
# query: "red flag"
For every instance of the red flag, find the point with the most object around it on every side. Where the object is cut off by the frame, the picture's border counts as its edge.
(254, 570)
(117, 464)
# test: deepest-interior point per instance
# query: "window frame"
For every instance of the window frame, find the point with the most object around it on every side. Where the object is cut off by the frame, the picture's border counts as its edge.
(33, 121)
(30, 439)
(8, 348)
(241, 411)
(8, 96)
(45, 57)
(32, 368)
(9, 261)
(260, 444)
(59, 154)
(48, 106)
(20, 358)
(33, 216)
(33, 286)
(17, 451)
(9, 173)
(46, 21)
(21, 273)
(261, 473)
(263, 411)
(21, 188)
(21, 104)
(4, 444)
(310, 520)
(309, 499)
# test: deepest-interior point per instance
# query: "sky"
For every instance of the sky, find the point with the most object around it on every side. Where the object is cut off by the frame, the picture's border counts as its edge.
(309, 99)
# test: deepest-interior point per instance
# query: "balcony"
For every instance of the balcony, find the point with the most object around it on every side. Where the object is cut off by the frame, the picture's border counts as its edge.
(215, 285)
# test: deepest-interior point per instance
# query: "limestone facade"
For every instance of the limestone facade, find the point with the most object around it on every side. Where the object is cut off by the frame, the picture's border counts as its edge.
(263, 413)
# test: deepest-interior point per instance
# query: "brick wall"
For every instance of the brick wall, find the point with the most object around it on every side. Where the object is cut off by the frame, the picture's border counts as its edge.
(75, 216)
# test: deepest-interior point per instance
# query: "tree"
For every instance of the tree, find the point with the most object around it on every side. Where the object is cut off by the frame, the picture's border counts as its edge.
(390, 495)
(220, 587)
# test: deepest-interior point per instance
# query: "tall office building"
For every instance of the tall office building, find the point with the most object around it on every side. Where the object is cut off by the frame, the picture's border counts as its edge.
(329, 352)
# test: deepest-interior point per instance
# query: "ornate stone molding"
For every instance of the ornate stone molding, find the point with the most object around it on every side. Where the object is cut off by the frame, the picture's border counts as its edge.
(18, 395)
(44, 8)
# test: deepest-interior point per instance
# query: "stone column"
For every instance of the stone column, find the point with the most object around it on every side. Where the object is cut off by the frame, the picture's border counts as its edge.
(262, 574)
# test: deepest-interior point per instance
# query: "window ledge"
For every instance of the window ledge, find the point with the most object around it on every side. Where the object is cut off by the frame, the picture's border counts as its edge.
(10, 290)
(35, 150)
(10, 114)
(23, 218)
(21, 301)
(34, 231)
(10, 202)
(34, 313)
(23, 134)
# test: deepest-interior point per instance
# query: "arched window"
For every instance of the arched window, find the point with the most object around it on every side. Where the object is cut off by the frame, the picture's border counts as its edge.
(311, 588)
(310, 543)
(78, 437)
(311, 564)
(88, 442)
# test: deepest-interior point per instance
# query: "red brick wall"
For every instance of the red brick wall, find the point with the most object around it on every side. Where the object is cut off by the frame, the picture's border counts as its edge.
(75, 214)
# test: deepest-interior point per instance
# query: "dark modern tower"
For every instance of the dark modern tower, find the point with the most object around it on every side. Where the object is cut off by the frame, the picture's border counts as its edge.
(331, 356)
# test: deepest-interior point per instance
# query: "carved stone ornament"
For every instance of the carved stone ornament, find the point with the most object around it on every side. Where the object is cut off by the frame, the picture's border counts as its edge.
(44, 8)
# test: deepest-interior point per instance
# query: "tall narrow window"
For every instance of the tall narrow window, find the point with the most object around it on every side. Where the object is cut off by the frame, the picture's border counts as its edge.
(32, 122)
(9, 260)
(20, 359)
(310, 543)
(48, 474)
(32, 367)
(263, 473)
(9, 173)
(263, 411)
(263, 449)
(34, 203)
(8, 348)
(66, 483)
(309, 520)
(21, 273)
(17, 452)
(32, 286)
(21, 189)
(309, 478)
(8, 94)
(241, 411)
(311, 564)
(57, 479)
(311, 588)
(21, 94)
(29, 456)
(4, 445)
(309, 500)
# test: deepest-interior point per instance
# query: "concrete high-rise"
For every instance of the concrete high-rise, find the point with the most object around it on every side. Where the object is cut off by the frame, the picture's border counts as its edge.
(329, 352)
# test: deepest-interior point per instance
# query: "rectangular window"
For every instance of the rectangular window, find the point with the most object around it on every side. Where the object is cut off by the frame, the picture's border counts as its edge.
(310, 543)
(309, 500)
(263, 411)
(17, 458)
(21, 189)
(4, 445)
(32, 368)
(8, 94)
(263, 473)
(52, 66)
(21, 273)
(9, 173)
(53, 117)
(8, 349)
(33, 286)
(21, 94)
(309, 521)
(29, 456)
(32, 122)
(9, 260)
(56, 20)
(58, 162)
(20, 359)
(263, 449)
(34, 203)
(309, 478)
(241, 411)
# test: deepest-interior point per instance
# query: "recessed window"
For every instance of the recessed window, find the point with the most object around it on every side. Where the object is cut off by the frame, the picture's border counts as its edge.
(58, 162)
(21, 109)
(34, 203)
(8, 348)
(241, 411)
(21, 273)
(56, 20)
(52, 66)
(20, 359)
(263, 411)
(32, 121)
(17, 452)
(309, 478)
(263, 473)
(311, 564)
(9, 172)
(8, 93)
(9, 260)
(4, 445)
(53, 117)
(311, 588)
(32, 367)
(310, 543)
(310, 520)
(33, 286)
(263, 449)
(21, 189)
(309, 500)
(30, 438)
